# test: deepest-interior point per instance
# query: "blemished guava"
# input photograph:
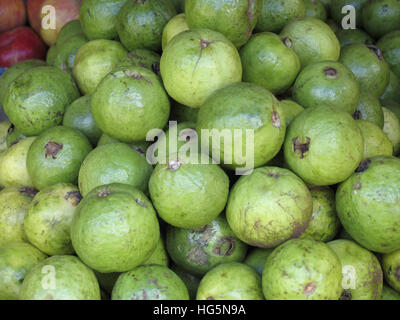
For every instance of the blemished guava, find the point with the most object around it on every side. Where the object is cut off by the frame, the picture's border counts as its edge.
(391, 269)
(4, 126)
(275, 15)
(199, 250)
(140, 58)
(181, 113)
(270, 62)
(191, 281)
(60, 278)
(56, 156)
(188, 195)
(240, 108)
(13, 166)
(392, 92)
(141, 23)
(174, 27)
(94, 60)
(268, 207)
(362, 273)
(114, 163)
(351, 36)
(323, 146)
(369, 108)
(13, 136)
(257, 258)
(99, 18)
(33, 113)
(389, 294)
(140, 146)
(69, 30)
(150, 283)
(376, 142)
(196, 63)
(290, 110)
(159, 256)
(324, 223)
(391, 128)
(236, 20)
(316, 9)
(47, 223)
(313, 40)
(129, 102)
(115, 230)
(230, 281)
(16, 259)
(302, 269)
(66, 52)
(327, 83)
(389, 44)
(372, 221)
(336, 7)
(368, 65)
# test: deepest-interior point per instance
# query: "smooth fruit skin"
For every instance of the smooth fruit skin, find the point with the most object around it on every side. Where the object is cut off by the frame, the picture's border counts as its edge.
(16, 260)
(73, 280)
(269, 62)
(373, 221)
(257, 257)
(140, 146)
(268, 207)
(376, 143)
(351, 36)
(150, 283)
(369, 108)
(336, 8)
(392, 92)
(159, 256)
(66, 52)
(316, 9)
(361, 271)
(290, 110)
(196, 63)
(302, 269)
(391, 128)
(390, 44)
(174, 27)
(69, 30)
(129, 102)
(230, 281)
(140, 58)
(391, 269)
(235, 19)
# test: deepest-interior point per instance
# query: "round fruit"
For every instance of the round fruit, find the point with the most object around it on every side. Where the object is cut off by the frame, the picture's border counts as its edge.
(66, 52)
(369, 108)
(391, 128)
(393, 106)
(159, 255)
(140, 146)
(315, 9)
(69, 30)
(391, 269)
(376, 143)
(51, 55)
(174, 27)
(351, 36)
(140, 58)
(390, 46)
(257, 258)
(392, 92)
(290, 110)
(337, 6)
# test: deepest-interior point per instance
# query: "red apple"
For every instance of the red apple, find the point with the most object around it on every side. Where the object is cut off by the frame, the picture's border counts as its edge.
(12, 14)
(19, 44)
(34, 12)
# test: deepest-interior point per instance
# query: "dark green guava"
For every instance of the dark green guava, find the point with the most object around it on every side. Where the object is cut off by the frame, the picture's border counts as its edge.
(391, 269)
(336, 8)
(51, 55)
(376, 142)
(140, 58)
(66, 52)
(316, 9)
(369, 108)
(257, 258)
(390, 44)
(392, 92)
(351, 36)
(191, 281)
(389, 294)
(391, 128)
(69, 30)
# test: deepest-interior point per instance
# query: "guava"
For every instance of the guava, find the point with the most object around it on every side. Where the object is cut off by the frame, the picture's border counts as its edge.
(51, 55)
(389, 294)
(236, 20)
(4, 126)
(327, 83)
(188, 195)
(13, 136)
(391, 269)
(302, 269)
(47, 223)
(94, 60)
(196, 63)
(369, 108)
(236, 110)
(230, 281)
(56, 156)
(376, 142)
(316, 9)
(140, 58)
(372, 221)
(323, 146)
(275, 15)
(129, 102)
(159, 255)
(69, 30)
(368, 65)
(290, 110)
(111, 163)
(140, 23)
(257, 258)
(181, 113)
(139, 146)
(115, 230)
(150, 283)
(268, 207)
(351, 36)
(191, 281)
(312, 39)
(390, 46)
(393, 106)
(337, 6)
(66, 52)
(391, 128)
(99, 18)
(36, 100)
(65, 278)
(174, 27)
(270, 62)
(16, 260)
(392, 92)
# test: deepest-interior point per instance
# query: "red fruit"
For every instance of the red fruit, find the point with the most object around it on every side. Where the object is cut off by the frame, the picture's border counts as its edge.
(34, 12)
(12, 14)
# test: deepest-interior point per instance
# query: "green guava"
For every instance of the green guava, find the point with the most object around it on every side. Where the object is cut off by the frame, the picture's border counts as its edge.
(140, 23)
(69, 30)
(393, 106)
(234, 19)
(60, 278)
(367, 204)
(327, 83)
(302, 269)
(115, 230)
(376, 142)
(191, 281)
(230, 281)
(351, 36)
(390, 44)
(313, 40)
(129, 102)
(16, 260)
(13, 136)
(257, 258)
(174, 27)
(36, 100)
(391, 269)
(392, 92)
(389, 294)
(150, 283)
(140, 58)
(51, 55)
(270, 62)
(368, 65)
(316, 9)
(290, 110)
(47, 223)
(275, 15)
(56, 156)
(66, 52)
(323, 146)
(369, 108)
(94, 60)
(391, 128)
(337, 6)
(4, 126)
(196, 63)
(268, 207)
(159, 255)
(140, 146)
(111, 163)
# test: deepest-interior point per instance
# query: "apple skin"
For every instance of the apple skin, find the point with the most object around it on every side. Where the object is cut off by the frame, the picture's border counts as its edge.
(12, 14)
(20, 44)
(34, 8)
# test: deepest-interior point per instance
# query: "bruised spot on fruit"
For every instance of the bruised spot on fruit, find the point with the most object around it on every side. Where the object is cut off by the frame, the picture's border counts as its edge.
(204, 43)
(346, 295)
(276, 119)
(74, 197)
(197, 256)
(274, 175)
(104, 193)
(357, 186)
(15, 142)
(210, 298)
(364, 165)
(136, 75)
(376, 50)
(156, 68)
(29, 192)
(11, 129)
(331, 73)
(301, 148)
(310, 288)
(48, 297)
(357, 115)
(226, 247)
(398, 274)
(141, 203)
(52, 149)
(287, 42)
(174, 165)
(138, 149)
